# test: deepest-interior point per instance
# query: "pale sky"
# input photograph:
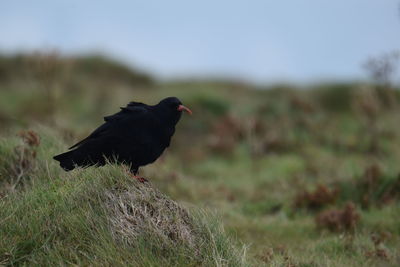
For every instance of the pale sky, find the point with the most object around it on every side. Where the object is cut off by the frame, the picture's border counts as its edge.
(256, 40)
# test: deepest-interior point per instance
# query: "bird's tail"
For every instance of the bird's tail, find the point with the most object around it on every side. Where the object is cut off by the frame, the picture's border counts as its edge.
(66, 160)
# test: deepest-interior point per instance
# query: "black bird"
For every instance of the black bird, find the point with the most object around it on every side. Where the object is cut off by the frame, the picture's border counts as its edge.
(137, 135)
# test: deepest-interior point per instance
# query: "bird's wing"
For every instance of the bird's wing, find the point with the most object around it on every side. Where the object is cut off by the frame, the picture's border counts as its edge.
(96, 133)
(133, 109)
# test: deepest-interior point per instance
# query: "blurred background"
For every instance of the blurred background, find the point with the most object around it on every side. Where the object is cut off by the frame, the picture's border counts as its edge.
(295, 134)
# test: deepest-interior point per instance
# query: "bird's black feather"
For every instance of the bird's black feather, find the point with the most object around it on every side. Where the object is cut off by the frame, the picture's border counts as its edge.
(131, 107)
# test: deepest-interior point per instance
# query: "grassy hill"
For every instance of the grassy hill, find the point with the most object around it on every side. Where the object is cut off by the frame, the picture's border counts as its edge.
(97, 216)
(299, 176)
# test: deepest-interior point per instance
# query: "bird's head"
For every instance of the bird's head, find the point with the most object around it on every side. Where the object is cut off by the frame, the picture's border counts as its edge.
(172, 106)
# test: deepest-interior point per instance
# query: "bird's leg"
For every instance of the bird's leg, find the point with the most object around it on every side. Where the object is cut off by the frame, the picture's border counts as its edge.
(134, 172)
(140, 179)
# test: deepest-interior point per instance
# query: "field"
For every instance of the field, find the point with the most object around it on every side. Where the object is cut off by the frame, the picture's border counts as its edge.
(276, 175)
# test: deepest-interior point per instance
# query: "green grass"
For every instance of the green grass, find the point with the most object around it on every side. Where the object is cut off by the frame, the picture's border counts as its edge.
(58, 218)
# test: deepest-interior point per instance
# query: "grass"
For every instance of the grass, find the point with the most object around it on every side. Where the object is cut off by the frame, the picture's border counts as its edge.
(103, 217)
(230, 179)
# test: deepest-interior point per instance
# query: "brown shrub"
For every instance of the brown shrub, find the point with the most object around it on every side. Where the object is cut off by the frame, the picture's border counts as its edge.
(316, 199)
(338, 220)
(31, 138)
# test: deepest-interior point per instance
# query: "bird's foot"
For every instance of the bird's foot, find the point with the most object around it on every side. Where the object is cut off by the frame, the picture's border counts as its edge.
(140, 179)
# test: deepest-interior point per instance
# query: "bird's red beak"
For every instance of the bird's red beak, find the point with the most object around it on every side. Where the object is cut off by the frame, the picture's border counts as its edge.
(182, 107)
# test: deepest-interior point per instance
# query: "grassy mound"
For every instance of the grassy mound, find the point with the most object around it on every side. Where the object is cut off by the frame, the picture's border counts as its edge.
(98, 217)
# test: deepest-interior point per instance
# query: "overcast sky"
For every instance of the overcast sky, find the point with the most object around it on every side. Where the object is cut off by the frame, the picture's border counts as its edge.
(258, 40)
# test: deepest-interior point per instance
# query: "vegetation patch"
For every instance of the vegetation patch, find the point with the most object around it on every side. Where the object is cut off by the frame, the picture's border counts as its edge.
(339, 220)
(101, 216)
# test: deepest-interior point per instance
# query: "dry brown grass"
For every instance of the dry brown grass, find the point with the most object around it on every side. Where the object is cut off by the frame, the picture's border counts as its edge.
(143, 209)
(314, 200)
(143, 218)
(339, 220)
